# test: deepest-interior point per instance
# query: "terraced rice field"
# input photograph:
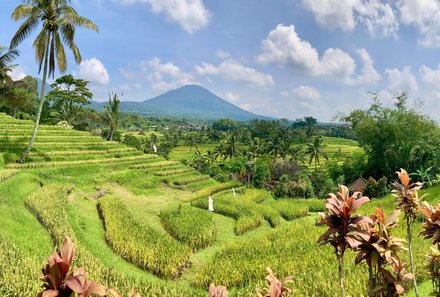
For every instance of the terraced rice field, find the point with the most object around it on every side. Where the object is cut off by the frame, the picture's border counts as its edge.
(149, 227)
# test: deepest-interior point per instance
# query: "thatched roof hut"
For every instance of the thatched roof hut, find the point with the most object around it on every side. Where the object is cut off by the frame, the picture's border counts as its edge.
(358, 185)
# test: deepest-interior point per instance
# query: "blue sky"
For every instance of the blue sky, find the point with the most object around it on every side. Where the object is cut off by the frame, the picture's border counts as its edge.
(282, 58)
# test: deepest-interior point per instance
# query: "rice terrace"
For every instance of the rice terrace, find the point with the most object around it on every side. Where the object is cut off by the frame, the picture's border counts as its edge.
(219, 148)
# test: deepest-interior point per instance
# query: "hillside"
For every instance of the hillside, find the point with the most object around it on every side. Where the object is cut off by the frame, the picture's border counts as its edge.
(149, 227)
(191, 101)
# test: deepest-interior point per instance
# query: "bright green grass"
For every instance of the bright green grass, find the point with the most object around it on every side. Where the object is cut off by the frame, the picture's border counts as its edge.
(18, 225)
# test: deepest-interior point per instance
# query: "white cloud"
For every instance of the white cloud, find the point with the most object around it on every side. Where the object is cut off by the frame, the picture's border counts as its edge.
(234, 71)
(207, 69)
(222, 54)
(333, 14)
(94, 71)
(378, 18)
(191, 15)
(306, 92)
(368, 75)
(425, 15)
(308, 99)
(430, 76)
(17, 73)
(284, 47)
(164, 76)
(232, 97)
(284, 93)
(245, 106)
(401, 80)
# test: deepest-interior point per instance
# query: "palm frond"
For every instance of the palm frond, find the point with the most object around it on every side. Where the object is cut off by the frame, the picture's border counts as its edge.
(60, 53)
(23, 32)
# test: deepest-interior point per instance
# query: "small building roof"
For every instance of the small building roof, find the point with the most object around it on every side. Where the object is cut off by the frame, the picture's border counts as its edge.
(358, 185)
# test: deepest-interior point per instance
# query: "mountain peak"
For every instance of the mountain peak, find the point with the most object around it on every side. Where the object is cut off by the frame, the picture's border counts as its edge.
(189, 101)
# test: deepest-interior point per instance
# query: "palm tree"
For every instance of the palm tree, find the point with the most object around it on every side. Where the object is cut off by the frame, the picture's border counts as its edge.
(58, 21)
(113, 114)
(192, 140)
(315, 149)
(6, 58)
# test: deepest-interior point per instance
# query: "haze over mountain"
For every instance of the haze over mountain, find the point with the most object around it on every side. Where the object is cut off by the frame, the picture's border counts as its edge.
(191, 101)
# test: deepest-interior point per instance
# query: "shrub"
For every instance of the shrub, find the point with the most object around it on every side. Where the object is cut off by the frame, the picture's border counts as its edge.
(191, 226)
(278, 168)
(262, 174)
(286, 187)
(322, 183)
(376, 189)
(132, 141)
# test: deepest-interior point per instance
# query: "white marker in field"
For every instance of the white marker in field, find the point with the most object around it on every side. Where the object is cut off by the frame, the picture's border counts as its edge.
(210, 204)
(233, 191)
(154, 148)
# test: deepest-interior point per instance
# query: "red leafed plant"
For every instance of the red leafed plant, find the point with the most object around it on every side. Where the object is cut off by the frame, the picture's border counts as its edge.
(387, 273)
(57, 270)
(431, 226)
(79, 284)
(408, 200)
(343, 231)
(60, 281)
(276, 288)
(217, 291)
(431, 230)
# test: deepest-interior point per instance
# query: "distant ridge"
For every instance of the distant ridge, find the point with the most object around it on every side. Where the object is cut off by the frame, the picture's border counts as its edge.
(191, 101)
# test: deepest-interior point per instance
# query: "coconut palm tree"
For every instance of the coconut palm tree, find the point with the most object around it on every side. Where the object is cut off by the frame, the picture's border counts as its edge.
(113, 114)
(59, 21)
(315, 149)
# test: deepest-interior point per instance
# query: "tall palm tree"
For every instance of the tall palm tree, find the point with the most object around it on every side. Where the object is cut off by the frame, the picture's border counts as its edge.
(316, 149)
(58, 20)
(113, 114)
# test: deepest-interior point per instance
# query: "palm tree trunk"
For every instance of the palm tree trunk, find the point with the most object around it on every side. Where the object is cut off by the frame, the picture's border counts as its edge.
(40, 106)
(316, 156)
(411, 260)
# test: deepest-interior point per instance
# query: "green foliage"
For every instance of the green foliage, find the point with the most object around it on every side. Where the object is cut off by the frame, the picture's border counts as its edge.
(300, 188)
(262, 174)
(376, 189)
(353, 167)
(191, 226)
(68, 98)
(225, 125)
(395, 138)
(132, 141)
(140, 244)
